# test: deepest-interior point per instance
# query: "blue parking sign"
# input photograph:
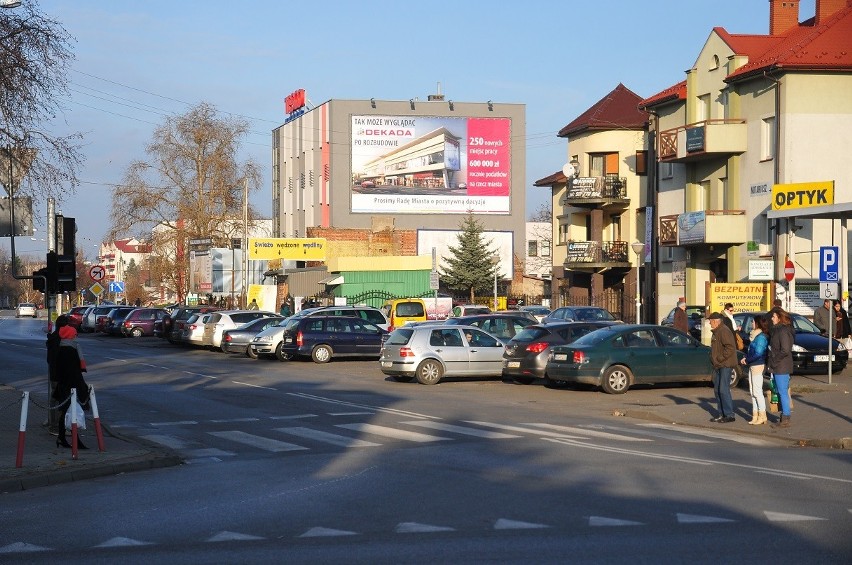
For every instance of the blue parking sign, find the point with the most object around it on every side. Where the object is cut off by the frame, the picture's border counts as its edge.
(829, 265)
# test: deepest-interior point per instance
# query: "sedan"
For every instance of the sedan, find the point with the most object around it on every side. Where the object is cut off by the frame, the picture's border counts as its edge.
(26, 309)
(810, 348)
(429, 353)
(540, 312)
(579, 314)
(237, 340)
(620, 356)
(527, 353)
(694, 317)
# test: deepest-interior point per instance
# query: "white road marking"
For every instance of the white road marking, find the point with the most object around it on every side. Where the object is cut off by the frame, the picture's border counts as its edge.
(603, 521)
(232, 536)
(295, 417)
(588, 432)
(782, 517)
(227, 421)
(748, 440)
(503, 524)
(200, 375)
(521, 429)
(325, 437)
(122, 542)
(459, 429)
(22, 547)
(253, 386)
(392, 432)
(209, 452)
(171, 442)
(696, 519)
(178, 423)
(325, 532)
(264, 443)
(416, 528)
(363, 406)
(650, 433)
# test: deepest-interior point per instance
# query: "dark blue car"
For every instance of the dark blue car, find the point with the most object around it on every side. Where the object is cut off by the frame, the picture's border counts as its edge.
(324, 337)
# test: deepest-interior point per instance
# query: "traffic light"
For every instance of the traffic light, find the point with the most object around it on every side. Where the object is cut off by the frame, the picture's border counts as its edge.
(61, 273)
(66, 232)
(39, 280)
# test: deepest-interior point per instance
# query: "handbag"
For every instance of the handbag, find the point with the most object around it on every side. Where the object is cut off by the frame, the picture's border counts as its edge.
(847, 343)
(81, 418)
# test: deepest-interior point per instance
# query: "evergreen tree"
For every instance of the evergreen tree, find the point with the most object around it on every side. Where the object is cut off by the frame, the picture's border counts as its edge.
(469, 265)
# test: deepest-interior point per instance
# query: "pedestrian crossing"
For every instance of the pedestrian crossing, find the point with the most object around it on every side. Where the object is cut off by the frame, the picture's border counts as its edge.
(202, 439)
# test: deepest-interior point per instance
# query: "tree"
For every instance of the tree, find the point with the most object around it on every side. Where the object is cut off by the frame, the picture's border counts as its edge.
(135, 280)
(542, 261)
(190, 187)
(35, 55)
(469, 266)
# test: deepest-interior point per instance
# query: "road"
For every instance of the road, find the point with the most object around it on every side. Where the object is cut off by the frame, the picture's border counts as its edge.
(296, 462)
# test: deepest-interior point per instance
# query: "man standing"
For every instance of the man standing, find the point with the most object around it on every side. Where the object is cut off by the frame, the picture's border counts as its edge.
(680, 321)
(823, 317)
(723, 356)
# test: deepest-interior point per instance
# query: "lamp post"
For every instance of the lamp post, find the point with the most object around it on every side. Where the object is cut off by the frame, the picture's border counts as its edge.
(638, 248)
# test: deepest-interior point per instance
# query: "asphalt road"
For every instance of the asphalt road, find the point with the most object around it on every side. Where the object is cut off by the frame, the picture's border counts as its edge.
(296, 462)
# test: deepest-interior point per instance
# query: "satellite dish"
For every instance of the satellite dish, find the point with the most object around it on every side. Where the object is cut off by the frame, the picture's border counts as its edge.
(568, 170)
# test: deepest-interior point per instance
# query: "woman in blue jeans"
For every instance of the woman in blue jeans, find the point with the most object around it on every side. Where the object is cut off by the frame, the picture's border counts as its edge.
(779, 360)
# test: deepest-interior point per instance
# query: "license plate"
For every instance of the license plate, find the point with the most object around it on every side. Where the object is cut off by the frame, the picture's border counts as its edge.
(387, 363)
(288, 340)
(560, 356)
(822, 358)
(513, 364)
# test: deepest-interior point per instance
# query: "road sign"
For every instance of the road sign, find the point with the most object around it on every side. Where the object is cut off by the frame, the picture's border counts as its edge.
(829, 266)
(116, 286)
(97, 273)
(96, 289)
(434, 279)
(789, 270)
(828, 291)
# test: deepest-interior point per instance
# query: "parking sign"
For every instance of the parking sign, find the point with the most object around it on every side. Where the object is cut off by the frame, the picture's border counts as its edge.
(829, 265)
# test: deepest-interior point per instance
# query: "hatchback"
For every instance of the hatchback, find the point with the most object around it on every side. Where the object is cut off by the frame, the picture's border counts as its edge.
(238, 340)
(112, 324)
(431, 352)
(225, 320)
(90, 321)
(469, 310)
(527, 353)
(172, 325)
(540, 312)
(579, 314)
(193, 329)
(503, 326)
(141, 321)
(26, 309)
(75, 316)
(324, 337)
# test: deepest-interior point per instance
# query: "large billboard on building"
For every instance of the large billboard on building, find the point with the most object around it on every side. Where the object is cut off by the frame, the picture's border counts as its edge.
(430, 165)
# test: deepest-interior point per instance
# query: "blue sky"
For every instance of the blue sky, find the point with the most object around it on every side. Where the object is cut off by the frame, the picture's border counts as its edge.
(138, 61)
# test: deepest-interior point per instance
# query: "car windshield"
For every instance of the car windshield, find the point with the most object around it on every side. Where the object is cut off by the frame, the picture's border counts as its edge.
(802, 324)
(595, 337)
(593, 314)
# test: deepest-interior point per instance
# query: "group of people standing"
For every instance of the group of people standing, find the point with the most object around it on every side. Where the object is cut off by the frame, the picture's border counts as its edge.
(832, 311)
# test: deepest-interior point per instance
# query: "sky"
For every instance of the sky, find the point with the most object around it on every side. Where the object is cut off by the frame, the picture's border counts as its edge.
(137, 62)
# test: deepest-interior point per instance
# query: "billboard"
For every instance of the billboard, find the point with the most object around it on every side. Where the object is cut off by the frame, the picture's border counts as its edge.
(430, 165)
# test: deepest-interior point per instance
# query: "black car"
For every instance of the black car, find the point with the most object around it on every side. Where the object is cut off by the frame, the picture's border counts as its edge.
(810, 348)
(113, 323)
(171, 326)
(502, 326)
(694, 317)
(324, 337)
(525, 357)
(579, 314)
(237, 340)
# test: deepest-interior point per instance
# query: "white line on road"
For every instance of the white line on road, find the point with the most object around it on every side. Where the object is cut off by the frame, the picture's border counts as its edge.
(199, 375)
(587, 432)
(251, 385)
(325, 437)
(459, 429)
(392, 432)
(521, 429)
(265, 443)
(363, 406)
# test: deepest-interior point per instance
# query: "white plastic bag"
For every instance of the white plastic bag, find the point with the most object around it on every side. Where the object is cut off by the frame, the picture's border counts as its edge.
(847, 343)
(81, 418)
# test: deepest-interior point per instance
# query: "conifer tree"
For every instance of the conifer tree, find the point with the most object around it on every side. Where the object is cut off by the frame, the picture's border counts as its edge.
(469, 265)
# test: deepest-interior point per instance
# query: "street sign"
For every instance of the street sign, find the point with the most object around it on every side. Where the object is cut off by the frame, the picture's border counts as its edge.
(828, 291)
(434, 279)
(829, 266)
(789, 270)
(96, 289)
(97, 273)
(116, 286)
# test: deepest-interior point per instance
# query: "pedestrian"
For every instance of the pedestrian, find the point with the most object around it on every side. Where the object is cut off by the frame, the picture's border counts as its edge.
(842, 330)
(755, 360)
(285, 309)
(253, 305)
(70, 366)
(822, 316)
(723, 356)
(779, 360)
(53, 340)
(680, 320)
(728, 312)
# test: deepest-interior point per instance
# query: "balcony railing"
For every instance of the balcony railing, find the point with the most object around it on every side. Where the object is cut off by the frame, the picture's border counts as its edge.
(594, 253)
(701, 139)
(704, 227)
(596, 189)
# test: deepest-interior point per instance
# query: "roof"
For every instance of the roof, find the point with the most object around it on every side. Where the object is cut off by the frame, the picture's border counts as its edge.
(127, 246)
(671, 94)
(555, 178)
(617, 110)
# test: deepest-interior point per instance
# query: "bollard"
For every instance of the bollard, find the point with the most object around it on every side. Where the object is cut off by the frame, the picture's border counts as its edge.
(98, 432)
(22, 430)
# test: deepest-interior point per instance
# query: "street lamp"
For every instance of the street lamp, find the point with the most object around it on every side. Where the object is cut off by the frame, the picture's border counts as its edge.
(638, 248)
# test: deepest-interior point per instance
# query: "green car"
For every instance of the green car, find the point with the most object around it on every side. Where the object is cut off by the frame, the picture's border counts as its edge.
(620, 356)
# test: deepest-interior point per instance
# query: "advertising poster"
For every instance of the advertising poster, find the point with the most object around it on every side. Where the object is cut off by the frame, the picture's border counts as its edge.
(437, 165)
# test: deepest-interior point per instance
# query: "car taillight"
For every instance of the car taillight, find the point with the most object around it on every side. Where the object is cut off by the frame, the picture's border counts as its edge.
(299, 340)
(537, 347)
(579, 357)
(406, 352)
(127, 324)
(228, 337)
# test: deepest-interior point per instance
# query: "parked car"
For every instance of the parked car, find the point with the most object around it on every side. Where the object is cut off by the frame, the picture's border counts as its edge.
(113, 320)
(193, 329)
(90, 320)
(810, 348)
(225, 320)
(402, 311)
(172, 325)
(526, 354)
(431, 352)
(75, 316)
(579, 314)
(324, 337)
(622, 355)
(140, 322)
(237, 340)
(469, 310)
(503, 326)
(694, 317)
(26, 309)
(540, 312)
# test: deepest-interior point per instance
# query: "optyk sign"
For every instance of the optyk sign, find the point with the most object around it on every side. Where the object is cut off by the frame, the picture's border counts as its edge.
(802, 195)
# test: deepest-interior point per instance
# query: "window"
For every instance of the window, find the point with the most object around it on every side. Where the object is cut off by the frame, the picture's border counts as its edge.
(666, 170)
(668, 253)
(702, 108)
(545, 248)
(641, 163)
(767, 138)
(532, 249)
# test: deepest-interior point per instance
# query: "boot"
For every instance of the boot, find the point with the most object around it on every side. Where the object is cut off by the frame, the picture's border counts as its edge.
(60, 438)
(761, 417)
(783, 423)
(753, 420)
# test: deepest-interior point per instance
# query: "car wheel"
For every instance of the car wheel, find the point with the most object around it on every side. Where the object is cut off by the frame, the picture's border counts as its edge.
(429, 372)
(321, 354)
(402, 378)
(281, 354)
(136, 332)
(736, 375)
(523, 380)
(250, 353)
(616, 380)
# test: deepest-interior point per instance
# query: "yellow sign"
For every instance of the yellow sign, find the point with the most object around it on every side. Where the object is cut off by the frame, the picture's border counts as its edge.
(746, 297)
(802, 195)
(294, 249)
(96, 289)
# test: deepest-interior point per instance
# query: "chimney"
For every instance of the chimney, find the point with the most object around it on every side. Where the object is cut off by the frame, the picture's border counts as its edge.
(826, 8)
(783, 16)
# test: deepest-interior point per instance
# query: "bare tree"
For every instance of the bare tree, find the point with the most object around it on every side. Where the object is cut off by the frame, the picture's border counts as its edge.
(191, 186)
(35, 55)
(543, 234)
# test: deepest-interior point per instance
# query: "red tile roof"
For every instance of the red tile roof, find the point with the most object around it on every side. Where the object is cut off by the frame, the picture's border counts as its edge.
(617, 110)
(672, 93)
(555, 178)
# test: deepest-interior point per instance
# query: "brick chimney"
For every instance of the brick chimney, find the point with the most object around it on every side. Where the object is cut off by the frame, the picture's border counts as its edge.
(783, 16)
(825, 8)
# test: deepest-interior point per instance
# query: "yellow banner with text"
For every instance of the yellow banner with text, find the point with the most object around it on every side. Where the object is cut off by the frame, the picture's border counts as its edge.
(293, 249)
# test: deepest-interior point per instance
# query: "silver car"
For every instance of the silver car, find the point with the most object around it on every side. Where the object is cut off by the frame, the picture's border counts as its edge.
(193, 329)
(431, 352)
(223, 320)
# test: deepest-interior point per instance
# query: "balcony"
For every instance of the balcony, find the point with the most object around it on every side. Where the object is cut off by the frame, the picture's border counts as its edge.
(703, 140)
(597, 254)
(726, 227)
(594, 192)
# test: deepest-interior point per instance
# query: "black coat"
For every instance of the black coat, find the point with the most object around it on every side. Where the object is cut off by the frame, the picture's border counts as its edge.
(53, 340)
(69, 375)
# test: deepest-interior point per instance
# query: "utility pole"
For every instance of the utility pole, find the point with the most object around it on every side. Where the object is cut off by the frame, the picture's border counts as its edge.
(244, 297)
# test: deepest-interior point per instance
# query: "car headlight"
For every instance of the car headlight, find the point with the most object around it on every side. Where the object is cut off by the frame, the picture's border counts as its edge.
(262, 339)
(798, 348)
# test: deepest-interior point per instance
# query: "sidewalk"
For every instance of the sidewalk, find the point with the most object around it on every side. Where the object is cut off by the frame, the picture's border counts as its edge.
(822, 418)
